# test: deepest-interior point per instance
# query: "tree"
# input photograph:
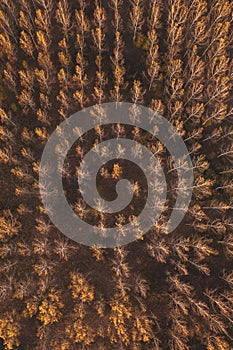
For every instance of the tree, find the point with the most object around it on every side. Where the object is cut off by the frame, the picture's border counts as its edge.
(59, 57)
(9, 225)
(136, 17)
(159, 249)
(63, 17)
(99, 39)
(26, 43)
(121, 310)
(117, 171)
(7, 47)
(49, 311)
(141, 286)
(227, 243)
(43, 18)
(153, 64)
(10, 77)
(6, 25)
(137, 97)
(80, 288)
(26, 23)
(80, 77)
(118, 57)
(23, 288)
(10, 329)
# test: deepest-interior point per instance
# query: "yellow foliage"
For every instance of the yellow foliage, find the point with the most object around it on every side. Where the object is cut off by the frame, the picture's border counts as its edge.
(217, 343)
(100, 308)
(5, 45)
(80, 333)
(26, 135)
(65, 345)
(121, 310)
(97, 253)
(42, 133)
(17, 172)
(49, 309)
(64, 58)
(142, 330)
(26, 43)
(31, 308)
(117, 171)
(9, 330)
(9, 226)
(6, 155)
(80, 288)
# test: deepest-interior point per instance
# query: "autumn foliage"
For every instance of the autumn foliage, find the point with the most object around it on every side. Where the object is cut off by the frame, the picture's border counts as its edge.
(164, 291)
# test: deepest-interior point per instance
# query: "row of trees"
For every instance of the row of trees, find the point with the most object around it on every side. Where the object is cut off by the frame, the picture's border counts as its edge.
(165, 291)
